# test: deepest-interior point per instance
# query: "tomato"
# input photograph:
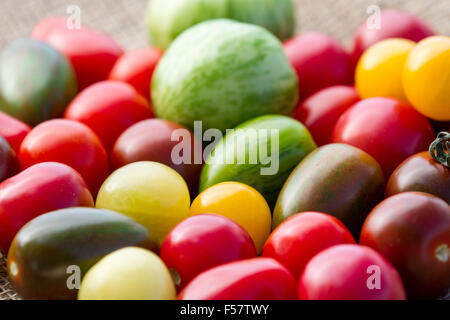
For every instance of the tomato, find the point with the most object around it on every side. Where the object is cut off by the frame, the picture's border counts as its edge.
(320, 112)
(426, 77)
(39, 189)
(68, 142)
(252, 279)
(151, 140)
(350, 272)
(392, 24)
(92, 54)
(128, 274)
(320, 62)
(9, 164)
(13, 130)
(202, 242)
(109, 108)
(386, 128)
(136, 68)
(379, 71)
(150, 193)
(240, 203)
(412, 230)
(294, 242)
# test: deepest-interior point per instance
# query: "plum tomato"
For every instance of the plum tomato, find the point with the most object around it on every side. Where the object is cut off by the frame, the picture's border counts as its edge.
(387, 129)
(136, 68)
(109, 108)
(379, 71)
(320, 112)
(128, 274)
(320, 62)
(39, 189)
(412, 231)
(9, 164)
(69, 142)
(251, 279)
(13, 130)
(294, 242)
(202, 242)
(240, 203)
(426, 77)
(350, 272)
(92, 54)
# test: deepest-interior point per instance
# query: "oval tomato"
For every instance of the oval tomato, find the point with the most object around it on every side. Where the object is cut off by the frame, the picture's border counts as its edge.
(13, 130)
(9, 164)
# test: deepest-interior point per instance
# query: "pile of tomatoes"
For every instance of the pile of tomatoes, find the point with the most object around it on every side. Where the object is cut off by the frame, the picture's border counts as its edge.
(88, 181)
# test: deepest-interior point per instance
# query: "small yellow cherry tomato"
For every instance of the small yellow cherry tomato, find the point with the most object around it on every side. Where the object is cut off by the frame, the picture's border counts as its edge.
(426, 78)
(150, 193)
(379, 71)
(240, 203)
(128, 274)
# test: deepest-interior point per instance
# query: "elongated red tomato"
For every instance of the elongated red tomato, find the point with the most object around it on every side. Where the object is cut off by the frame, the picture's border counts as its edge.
(252, 279)
(13, 130)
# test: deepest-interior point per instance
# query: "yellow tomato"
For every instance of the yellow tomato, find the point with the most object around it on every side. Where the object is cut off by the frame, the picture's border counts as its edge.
(426, 77)
(240, 203)
(379, 71)
(150, 193)
(128, 274)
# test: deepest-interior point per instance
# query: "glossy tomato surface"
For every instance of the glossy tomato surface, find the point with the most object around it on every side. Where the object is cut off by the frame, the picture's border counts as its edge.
(350, 272)
(412, 230)
(9, 164)
(13, 130)
(251, 279)
(202, 242)
(388, 129)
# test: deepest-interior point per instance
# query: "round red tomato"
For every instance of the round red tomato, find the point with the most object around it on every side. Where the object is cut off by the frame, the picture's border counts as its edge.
(387, 129)
(13, 130)
(109, 108)
(320, 112)
(412, 230)
(302, 236)
(136, 68)
(67, 142)
(350, 272)
(202, 242)
(9, 165)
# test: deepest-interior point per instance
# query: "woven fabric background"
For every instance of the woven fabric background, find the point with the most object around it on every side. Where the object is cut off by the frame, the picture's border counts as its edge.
(124, 20)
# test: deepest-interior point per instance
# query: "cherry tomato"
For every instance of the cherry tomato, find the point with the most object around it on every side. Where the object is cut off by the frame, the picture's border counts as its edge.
(136, 68)
(92, 54)
(320, 62)
(302, 236)
(151, 140)
(426, 77)
(320, 112)
(9, 165)
(387, 129)
(252, 279)
(39, 189)
(350, 272)
(68, 142)
(412, 230)
(109, 108)
(13, 130)
(202, 242)
(379, 71)
(240, 203)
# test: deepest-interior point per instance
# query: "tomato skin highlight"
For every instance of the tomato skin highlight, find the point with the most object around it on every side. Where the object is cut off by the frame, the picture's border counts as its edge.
(251, 279)
(13, 130)
(202, 242)
(412, 230)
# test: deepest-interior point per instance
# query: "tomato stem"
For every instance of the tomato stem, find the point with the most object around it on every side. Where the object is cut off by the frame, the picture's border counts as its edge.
(440, 149)
(442, 252)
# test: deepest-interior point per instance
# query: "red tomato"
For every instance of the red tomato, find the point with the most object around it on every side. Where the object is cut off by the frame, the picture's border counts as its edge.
(387, 129)
(136, 68)
(350, 272)
(320, 112)
(251, 279)
(202, 242)
(37, 190)
(151, 140)
(68, 142)
(13, 130)
(320, 62)
(92, 54)
(9, 165)
(109, 108)
(412, 230)
(302, 236)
